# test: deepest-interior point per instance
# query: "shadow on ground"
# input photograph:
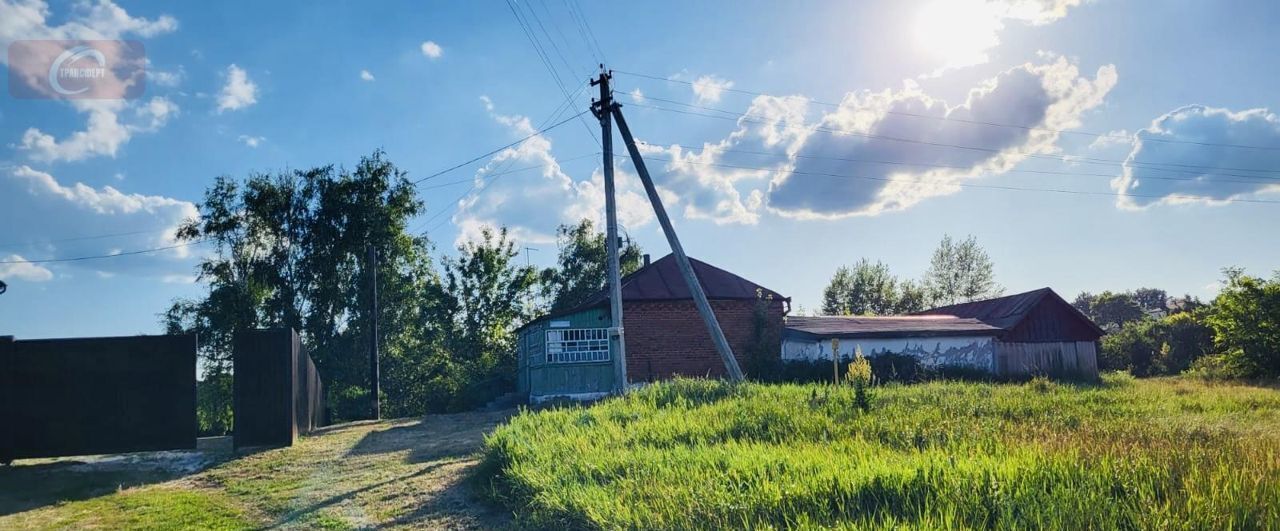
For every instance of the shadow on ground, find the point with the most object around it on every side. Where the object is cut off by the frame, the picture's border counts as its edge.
(33, 483)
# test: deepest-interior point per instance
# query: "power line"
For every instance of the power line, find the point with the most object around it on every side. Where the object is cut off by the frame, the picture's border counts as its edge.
(96, 257)
(962, 185)
(83, 238)
(500, 148)
(560, 109)
(545, 57)
(581, 25)
(948, 166)
(582, 16)
(1154, 166)
(976, 122)
(517, 170)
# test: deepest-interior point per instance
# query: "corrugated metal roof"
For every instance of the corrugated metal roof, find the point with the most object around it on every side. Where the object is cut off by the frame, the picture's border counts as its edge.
(661, 280)
(1004, 312)
(895, 326)
(1051, 316)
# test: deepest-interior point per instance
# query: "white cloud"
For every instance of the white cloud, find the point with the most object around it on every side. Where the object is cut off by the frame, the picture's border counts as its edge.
(167, 79)
(239, 91)
(1119, 137)
(104, 134)
(1037, 99)
(73, 210)
(637, 95)
(708, 89)
(532, 203)
(23, 270)
(251, 141)
(432, 50)
(1193, 179)
(29, 19)
(843, 163)
(365, 75)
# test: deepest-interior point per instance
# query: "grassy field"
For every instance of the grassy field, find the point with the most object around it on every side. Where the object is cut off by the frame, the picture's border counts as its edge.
(1125, 454)
(406, 473)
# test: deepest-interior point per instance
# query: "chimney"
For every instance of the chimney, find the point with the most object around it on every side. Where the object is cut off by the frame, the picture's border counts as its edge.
(646, 259)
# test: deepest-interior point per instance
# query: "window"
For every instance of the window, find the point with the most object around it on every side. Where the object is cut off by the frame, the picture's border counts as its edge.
(578, 345)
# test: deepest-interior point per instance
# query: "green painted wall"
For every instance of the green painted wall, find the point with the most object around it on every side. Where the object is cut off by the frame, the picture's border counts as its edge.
(539, 378)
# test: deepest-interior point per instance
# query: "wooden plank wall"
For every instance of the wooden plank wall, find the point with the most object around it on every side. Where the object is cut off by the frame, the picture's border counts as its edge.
(1066, 358)
(81, 396)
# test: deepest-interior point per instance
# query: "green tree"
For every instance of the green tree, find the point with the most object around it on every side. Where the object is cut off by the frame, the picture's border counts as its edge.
(1151, 299)
(912, 297)
(1112, 310)
(961, 272)
(488, 295)
(864, 289)
(581, 266)
(289, 250)
(1157, 346)
(1245, 318)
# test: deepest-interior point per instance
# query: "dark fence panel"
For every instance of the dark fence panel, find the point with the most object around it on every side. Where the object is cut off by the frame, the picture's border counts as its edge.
(63, 397)
(278, 394)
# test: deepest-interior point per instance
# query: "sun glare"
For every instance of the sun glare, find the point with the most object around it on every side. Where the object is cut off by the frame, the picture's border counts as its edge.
(957, 32)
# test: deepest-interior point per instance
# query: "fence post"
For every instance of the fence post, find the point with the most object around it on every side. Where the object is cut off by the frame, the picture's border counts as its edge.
(6, 402)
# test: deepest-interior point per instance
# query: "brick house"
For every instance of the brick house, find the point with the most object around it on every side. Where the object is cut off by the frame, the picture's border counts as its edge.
(569, 354)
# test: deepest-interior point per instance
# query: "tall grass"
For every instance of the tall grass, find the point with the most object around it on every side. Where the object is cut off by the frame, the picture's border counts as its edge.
(696, 454)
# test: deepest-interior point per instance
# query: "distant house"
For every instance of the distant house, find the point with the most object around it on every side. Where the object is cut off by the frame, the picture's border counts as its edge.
(568, 353)
(1036, 332)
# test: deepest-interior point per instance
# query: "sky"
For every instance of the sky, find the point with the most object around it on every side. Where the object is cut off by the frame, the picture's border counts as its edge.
(1087, 145)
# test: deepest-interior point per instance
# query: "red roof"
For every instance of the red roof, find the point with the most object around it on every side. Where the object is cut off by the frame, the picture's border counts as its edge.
(661, 280)
(892, 326)
(1037, 315)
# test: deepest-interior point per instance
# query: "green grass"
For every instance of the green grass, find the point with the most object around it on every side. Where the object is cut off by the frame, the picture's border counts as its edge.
(1147, 454)
(403, 473)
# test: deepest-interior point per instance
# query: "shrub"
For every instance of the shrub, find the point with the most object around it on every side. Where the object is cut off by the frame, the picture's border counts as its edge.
(1246, 320)
(1157, 346)
(859, 375)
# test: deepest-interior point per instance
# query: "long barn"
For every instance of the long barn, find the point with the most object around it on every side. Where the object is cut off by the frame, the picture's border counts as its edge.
(1037, 332)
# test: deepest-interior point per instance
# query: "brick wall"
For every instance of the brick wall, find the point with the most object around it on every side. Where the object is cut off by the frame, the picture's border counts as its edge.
(669, 338)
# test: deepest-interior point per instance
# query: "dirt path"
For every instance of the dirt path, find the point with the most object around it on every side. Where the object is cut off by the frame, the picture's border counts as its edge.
(395, 474)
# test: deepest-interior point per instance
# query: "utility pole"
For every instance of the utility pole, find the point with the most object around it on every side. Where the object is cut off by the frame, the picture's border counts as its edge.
(601, 109)
(375, 387)
(686, 269)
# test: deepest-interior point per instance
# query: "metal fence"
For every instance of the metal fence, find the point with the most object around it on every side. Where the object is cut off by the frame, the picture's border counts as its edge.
(82, 396)
(278, 394)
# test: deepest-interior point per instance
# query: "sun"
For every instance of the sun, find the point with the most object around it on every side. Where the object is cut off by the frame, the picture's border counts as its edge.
(957, 32)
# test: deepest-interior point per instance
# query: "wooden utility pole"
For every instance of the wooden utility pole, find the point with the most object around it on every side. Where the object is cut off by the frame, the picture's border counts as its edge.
(374, 385)
(686, 269)
(601, 110)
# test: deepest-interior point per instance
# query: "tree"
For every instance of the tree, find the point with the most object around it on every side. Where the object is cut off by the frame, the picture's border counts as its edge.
(488, 295)
(581, 266)
(961, 272)
(290, 251)
(1245, 318)
(1151, 299)
(912, 297)
(1157, 346)
(864, 289)
(1114, 310)
(1084, 302)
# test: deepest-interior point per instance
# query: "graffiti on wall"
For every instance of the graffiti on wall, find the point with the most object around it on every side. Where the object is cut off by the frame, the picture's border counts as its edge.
(974, 352)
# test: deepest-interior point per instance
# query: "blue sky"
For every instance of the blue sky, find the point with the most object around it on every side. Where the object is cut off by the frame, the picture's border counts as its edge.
(775, 101)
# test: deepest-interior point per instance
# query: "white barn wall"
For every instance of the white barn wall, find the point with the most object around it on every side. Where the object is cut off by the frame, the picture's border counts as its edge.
(977, 352)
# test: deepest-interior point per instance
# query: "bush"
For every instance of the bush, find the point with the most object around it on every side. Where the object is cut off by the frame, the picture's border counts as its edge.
(1246, 320)
(214, 405)
(1157, 346)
